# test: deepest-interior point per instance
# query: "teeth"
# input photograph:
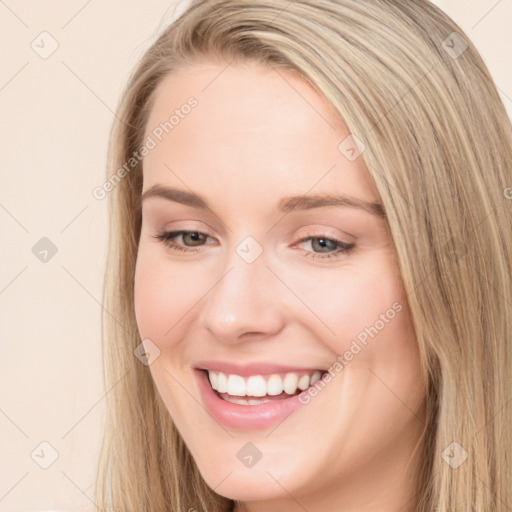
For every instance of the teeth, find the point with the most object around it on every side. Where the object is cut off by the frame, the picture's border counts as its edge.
(290, 383)
(257, 386)
(214, 379)
(245, 401)
(316, 376)
(236, 386)
(303, 382)
(222, 383)
(274, 385)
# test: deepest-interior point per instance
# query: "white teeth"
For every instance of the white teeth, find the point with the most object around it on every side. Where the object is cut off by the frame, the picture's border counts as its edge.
(222, 383)
(236, 386)
(290, 383)
(303, 382)
(214, 379)
(274, 385)
(257, 386)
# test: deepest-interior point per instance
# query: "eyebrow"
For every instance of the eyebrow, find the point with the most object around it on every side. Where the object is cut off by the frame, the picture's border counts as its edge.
(285, 205)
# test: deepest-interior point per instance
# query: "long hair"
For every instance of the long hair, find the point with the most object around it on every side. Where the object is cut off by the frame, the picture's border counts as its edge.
(437, 142)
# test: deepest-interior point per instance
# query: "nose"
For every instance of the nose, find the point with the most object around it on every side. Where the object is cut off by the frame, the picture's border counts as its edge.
(244, 303)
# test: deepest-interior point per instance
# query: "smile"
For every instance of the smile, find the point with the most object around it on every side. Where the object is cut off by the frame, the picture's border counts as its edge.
(260, 389)
(254, 396)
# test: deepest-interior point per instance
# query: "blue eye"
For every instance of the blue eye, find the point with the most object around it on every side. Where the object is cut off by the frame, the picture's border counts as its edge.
(327, 247)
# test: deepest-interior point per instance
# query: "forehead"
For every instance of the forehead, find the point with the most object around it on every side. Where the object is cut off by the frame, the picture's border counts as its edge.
(253, 128)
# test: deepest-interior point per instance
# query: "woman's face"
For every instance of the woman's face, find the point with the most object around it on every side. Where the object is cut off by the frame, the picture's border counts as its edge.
(279, 268)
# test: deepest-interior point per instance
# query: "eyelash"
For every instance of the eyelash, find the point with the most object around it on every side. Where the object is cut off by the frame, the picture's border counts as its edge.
(345, 249)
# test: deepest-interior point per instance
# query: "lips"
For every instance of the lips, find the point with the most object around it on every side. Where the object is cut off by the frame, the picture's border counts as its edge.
(256, 395)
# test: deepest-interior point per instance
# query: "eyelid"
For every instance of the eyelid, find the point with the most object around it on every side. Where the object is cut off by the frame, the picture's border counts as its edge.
(327, 232)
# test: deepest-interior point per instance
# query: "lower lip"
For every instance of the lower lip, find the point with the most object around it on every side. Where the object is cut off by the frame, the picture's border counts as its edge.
(244, 416)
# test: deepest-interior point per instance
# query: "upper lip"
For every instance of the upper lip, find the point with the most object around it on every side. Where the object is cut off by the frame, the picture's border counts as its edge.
(255, 368)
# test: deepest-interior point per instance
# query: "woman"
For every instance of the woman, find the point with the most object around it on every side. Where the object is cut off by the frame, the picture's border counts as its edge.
(309, 277)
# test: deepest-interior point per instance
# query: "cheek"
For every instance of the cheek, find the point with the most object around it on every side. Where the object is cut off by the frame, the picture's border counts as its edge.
(163, 297)
(360, 303)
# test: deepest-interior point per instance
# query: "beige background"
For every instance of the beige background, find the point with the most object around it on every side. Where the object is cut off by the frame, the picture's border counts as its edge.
(56, 116)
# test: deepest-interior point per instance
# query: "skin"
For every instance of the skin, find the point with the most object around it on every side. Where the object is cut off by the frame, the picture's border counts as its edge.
(255, 137)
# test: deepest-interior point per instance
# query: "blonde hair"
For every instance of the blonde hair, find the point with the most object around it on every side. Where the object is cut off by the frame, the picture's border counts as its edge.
(438, 145)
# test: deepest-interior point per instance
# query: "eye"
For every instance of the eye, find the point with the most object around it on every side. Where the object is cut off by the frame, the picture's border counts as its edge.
(328, 247)
(196, 238)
